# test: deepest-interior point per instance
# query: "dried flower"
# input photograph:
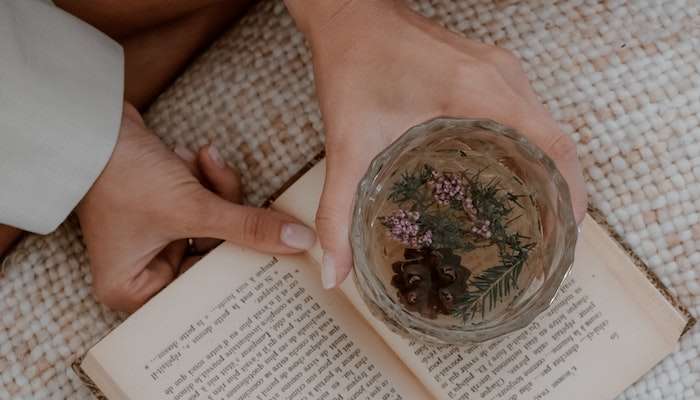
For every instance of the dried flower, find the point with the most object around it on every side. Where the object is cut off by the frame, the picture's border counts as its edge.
(403, 227)
(482, 229)
(426, 239)
(469, 209)
(446, 187)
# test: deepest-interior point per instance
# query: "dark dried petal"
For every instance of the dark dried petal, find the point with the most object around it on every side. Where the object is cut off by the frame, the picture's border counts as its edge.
(431, 260)
(447, 273)
(412, 254)
(414, 280)
(397, 282)
(414, 274)
(467, 274)
(397, 267)
(446, 297)
(411, 297)
(453, 260)
(448, 257)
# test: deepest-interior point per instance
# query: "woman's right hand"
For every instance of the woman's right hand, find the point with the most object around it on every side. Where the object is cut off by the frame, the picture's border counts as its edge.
(148, 201)
(381, 68)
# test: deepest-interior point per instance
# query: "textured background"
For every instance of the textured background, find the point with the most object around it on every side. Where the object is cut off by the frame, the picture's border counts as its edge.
(622, 78)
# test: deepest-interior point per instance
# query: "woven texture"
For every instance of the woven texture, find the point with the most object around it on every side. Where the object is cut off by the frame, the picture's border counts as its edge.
(622, 78)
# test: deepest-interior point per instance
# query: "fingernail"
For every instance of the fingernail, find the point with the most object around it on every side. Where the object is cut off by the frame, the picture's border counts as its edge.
(297, 236)
(184, 153)
(328, 272)
(216, 156)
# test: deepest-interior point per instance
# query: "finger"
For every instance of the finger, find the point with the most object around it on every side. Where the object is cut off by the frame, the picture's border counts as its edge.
(192, 162)
(509, 108)
(174, 253)
(562, 150)
(157, 275)
(187, 263)
(207, 215)
(190, 159)
(129, 295)
(222, 180)
(334, 216)
(543, 130)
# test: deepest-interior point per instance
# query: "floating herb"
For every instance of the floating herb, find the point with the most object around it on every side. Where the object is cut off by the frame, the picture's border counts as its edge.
(443, 213)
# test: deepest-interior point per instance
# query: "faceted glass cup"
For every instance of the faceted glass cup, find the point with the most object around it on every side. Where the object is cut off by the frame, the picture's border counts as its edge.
(462, 144)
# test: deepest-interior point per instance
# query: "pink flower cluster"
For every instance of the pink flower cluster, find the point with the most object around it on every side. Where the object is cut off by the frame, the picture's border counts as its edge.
(424, 240)
(446, 187)
(468, 206)
(482, 228)
(403, 226)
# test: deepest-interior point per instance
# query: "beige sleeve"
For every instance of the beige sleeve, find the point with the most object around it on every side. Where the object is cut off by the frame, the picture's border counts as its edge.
(61, 97)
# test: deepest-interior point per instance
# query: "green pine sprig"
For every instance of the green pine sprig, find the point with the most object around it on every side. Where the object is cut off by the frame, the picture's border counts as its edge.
(410, 184)
(491, 286)
(447, 230)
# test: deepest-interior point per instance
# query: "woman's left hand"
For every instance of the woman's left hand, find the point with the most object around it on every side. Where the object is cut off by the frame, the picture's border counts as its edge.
(138, 217)
(380, 68)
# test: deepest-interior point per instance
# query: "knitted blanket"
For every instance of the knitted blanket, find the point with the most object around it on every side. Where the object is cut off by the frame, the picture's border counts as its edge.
(621, 77)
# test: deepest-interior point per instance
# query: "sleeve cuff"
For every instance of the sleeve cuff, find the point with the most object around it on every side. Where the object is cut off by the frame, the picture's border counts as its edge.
(60, 111)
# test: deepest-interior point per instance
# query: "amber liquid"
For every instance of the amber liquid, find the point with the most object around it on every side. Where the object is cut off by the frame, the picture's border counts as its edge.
(524, 216)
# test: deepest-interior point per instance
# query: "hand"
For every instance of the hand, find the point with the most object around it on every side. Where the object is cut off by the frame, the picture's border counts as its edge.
(147, 200)
(380, 68)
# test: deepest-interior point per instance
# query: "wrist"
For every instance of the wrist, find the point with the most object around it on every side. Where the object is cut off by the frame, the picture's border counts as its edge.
(310, 15)
(336, 19)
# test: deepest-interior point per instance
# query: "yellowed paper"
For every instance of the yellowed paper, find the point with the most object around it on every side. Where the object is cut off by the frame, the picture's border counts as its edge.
(246, 325)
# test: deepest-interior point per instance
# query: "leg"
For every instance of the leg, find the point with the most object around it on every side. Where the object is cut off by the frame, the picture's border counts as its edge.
(118, 18)
(156, 56)
(8, 237)
(159, 37)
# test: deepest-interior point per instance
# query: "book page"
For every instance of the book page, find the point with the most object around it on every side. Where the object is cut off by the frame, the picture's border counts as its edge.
(606, 328)
(243, 325)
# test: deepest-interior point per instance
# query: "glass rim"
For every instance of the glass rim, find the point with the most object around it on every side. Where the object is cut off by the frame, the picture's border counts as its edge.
(404, 322)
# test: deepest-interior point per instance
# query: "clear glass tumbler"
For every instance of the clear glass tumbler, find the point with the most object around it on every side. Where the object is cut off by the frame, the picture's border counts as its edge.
(463, 231)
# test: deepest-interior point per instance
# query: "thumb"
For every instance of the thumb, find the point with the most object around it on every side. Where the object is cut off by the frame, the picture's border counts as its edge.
(258, 228)
(334, 217)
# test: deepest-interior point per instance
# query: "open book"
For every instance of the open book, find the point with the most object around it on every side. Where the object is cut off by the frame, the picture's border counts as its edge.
(246, 325)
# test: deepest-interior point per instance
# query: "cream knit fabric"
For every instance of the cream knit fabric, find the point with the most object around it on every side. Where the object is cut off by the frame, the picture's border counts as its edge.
(622, 78)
